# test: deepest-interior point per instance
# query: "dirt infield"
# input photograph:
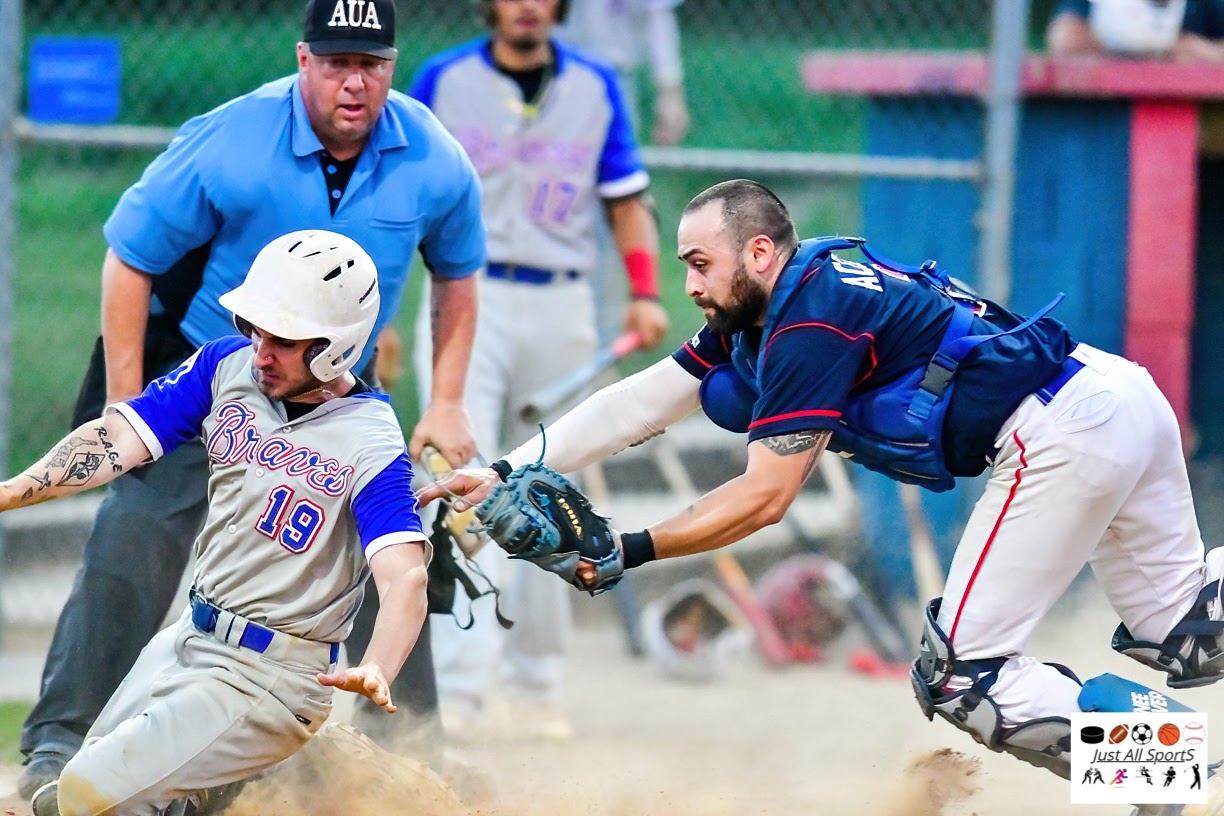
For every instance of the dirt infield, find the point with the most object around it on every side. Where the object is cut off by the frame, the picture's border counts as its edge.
(816, 739)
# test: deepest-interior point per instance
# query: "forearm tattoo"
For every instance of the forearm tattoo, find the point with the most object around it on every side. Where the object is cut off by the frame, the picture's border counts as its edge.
(75, 463)
(60, 457)
(41, 483)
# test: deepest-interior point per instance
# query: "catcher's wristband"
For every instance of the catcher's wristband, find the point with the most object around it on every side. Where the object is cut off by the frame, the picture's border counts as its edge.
(638, 548)
(502, 468)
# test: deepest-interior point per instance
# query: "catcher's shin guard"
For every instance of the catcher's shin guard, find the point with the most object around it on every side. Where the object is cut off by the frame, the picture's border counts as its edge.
(1193, 653)
(1044, 742)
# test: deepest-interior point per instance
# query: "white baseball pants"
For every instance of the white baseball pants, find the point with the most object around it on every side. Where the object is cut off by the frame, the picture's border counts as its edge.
(1096, 477)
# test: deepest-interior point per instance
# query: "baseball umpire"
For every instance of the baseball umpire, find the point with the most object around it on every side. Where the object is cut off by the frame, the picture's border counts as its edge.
(330, 147)
(907, 373)
(309, 494)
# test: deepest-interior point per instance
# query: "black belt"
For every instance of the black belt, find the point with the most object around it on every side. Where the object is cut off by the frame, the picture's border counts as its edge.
(204, 615)
(518, 273)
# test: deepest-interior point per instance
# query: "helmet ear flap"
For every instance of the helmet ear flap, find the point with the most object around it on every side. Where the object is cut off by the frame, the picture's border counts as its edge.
(314, 350)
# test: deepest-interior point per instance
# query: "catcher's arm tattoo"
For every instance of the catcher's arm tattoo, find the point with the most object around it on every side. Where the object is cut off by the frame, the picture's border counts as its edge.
(90, 456)
(812, 443)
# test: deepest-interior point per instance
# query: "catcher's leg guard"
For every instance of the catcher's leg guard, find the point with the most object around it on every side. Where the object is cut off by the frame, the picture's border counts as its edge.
(1044, 742)
(1193, 653)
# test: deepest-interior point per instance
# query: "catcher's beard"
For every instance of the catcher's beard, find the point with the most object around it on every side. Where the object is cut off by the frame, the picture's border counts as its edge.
(746, 304)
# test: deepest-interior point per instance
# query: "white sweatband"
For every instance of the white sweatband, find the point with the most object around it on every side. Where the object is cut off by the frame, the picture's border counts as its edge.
(623, 414)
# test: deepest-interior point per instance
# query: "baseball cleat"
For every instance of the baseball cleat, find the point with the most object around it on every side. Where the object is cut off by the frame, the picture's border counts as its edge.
(46, 800)
(42, 767)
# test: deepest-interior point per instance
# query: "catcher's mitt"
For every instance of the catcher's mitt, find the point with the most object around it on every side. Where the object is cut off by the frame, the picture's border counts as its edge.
(540, 516)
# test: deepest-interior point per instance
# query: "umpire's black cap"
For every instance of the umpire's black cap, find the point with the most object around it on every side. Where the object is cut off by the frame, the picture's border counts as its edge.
(351, 27)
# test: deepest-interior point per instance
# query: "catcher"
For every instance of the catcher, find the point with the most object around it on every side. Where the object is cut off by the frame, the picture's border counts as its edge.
(911, 375)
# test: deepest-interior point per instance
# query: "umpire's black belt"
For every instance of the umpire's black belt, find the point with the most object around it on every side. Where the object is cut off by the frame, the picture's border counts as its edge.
(204, 615)
(517, 273)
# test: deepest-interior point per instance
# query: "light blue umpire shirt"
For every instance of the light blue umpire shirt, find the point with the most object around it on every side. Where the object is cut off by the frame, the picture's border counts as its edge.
(249, 171)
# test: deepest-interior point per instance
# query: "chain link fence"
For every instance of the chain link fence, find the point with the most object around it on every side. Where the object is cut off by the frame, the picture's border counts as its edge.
(751, 112)
(751, 116)
(183, 57)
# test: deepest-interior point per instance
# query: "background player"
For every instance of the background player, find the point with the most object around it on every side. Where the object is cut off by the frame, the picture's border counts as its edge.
(1187, 30)
(805, 350)
(309, 494)
(548, 133)
(630, 35)
(326, 148)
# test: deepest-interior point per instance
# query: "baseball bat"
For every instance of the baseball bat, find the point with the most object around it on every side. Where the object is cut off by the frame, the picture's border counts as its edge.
(469, 543)
(886, 639)
(928, 572)
(769, 640)
(557, 393)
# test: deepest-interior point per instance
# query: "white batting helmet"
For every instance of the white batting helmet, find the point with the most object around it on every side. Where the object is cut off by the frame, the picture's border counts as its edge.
(694, 631)
(311, 284)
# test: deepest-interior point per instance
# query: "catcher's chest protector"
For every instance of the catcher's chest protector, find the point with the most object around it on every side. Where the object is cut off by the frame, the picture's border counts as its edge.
(896, 429)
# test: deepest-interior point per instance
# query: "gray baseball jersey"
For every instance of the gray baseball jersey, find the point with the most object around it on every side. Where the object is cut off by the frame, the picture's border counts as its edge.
(544, 168)
(296, 508)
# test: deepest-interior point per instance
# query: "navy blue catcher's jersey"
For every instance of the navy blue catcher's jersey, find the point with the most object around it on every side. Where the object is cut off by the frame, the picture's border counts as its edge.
(836, 328)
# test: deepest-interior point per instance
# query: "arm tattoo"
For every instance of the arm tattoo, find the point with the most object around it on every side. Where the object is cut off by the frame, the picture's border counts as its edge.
(60, 457)
(811, 442)
(81, 469)
(42, 482)
(790, 444)
(111, 453)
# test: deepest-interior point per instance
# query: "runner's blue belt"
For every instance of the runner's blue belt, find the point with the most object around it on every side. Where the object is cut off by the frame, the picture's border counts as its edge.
(254, 637)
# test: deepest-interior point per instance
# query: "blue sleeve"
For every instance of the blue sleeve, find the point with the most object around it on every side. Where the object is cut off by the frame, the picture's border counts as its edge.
(174, 407)
(386, 505)
(425, 81)
(167, 213)
(1077, 7)
(620, 158)
(807, 371)
(703, 351)
(454, 245)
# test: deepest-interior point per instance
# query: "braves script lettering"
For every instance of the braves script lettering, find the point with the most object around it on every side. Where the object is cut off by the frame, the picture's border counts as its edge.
(235, 438)
(489, 151)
